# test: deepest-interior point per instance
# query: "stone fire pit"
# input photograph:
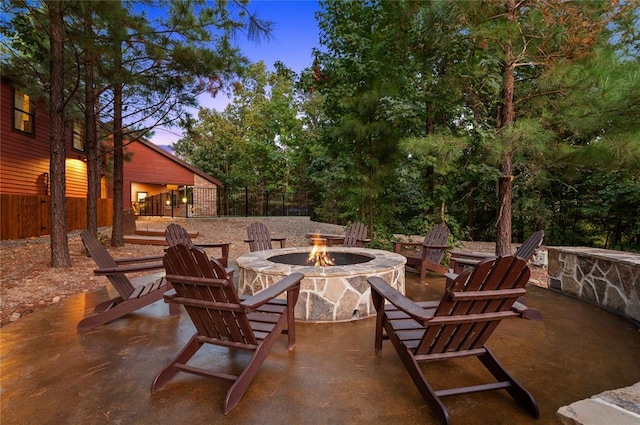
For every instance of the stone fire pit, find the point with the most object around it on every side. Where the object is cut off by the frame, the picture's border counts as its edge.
(330, 293)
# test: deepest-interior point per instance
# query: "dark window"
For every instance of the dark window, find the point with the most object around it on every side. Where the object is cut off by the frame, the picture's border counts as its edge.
(23, 114)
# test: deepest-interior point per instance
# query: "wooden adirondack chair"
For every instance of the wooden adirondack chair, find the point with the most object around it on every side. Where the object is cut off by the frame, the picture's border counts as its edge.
(355, 236)
(259, 239)
(224, 319)
(175, 234)
(131, 297)
(456, 326)
(461, 260)
(430, 253)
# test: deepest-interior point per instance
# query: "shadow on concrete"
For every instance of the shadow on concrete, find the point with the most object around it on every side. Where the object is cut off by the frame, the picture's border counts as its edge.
(52, 375)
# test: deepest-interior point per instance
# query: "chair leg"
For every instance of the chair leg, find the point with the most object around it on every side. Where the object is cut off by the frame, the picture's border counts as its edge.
(115, 312)
(438, 409)
(378, 304)
(292, 299)
(174, 309)
(239, 387)
(423, 272)
(517, 391)
(166, 374)
(114, 309)
(107, 305)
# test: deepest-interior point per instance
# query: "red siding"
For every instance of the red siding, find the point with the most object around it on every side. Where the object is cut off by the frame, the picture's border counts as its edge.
(24, 159)
(148, 166)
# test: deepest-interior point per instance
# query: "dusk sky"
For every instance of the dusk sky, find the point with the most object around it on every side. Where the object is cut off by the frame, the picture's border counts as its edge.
(294, 36)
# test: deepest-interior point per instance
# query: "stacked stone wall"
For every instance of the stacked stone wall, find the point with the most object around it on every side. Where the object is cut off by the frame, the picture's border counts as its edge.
(606, 278)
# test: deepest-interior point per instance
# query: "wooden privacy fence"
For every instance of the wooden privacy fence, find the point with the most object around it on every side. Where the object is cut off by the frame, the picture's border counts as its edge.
(26, 216)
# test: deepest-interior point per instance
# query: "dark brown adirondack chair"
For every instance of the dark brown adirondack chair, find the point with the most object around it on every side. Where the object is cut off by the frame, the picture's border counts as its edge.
(356, 235)
(430, 252)
(222, 318)
(259, 238)
(456, 326)
(461, 260)
(175, 234)
(131, 297)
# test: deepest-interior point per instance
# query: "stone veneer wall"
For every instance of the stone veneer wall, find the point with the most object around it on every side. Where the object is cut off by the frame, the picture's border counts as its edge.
(606, 278)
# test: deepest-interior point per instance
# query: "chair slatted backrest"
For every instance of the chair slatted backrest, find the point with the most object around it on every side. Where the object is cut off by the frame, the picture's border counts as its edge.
(258, 236)
(474, 305)
(437, 236)
(355, 234)
(103, 259)
(209, 298)
(530, 246)
(175, 234)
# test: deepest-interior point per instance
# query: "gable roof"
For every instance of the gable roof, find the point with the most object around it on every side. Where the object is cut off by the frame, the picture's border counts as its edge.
(179, 161)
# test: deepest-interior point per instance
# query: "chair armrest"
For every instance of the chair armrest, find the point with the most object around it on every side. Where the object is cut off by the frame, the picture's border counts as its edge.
(212, 245)
(400, 301)
(224, 247)
(281, 240)
(169, 295)
(461, 255)
(334, 238)
(460, 260)
(437, 246)
(273, 291)
(397, 246)
(133, 260)
(324, 236)
(451, 275)
(526, 312)
(128, 268)
(407, 243)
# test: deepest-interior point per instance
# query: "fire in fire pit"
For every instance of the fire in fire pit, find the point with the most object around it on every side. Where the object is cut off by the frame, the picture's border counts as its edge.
(318, 256)
(336, 258)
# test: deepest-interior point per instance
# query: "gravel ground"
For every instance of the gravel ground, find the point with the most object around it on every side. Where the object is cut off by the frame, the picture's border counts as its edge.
(27, 282)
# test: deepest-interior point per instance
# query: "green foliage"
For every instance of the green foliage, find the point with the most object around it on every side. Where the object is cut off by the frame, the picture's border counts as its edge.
(406, 118)
(254, 142)
(440, 86)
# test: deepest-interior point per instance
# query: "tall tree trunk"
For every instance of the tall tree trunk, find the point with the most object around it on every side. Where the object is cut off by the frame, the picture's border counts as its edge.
(429, 121)
(57, 211)
(117, 236)
(507, 114)
(90, 136)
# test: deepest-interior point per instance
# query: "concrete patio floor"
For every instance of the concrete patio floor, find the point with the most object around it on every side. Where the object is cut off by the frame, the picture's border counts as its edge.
(52, 375)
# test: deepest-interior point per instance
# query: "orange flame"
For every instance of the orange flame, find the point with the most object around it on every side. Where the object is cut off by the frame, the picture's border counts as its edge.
(318, 255)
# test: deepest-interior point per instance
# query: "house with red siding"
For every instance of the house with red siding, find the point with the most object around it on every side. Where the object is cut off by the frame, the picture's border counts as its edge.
(150, 175)
(24, 148)
(159, 183)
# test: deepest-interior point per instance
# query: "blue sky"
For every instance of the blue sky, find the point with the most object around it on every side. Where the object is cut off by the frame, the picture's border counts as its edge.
(294, 36)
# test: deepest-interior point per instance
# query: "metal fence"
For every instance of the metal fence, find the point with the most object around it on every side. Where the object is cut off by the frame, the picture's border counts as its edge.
(216, 202)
